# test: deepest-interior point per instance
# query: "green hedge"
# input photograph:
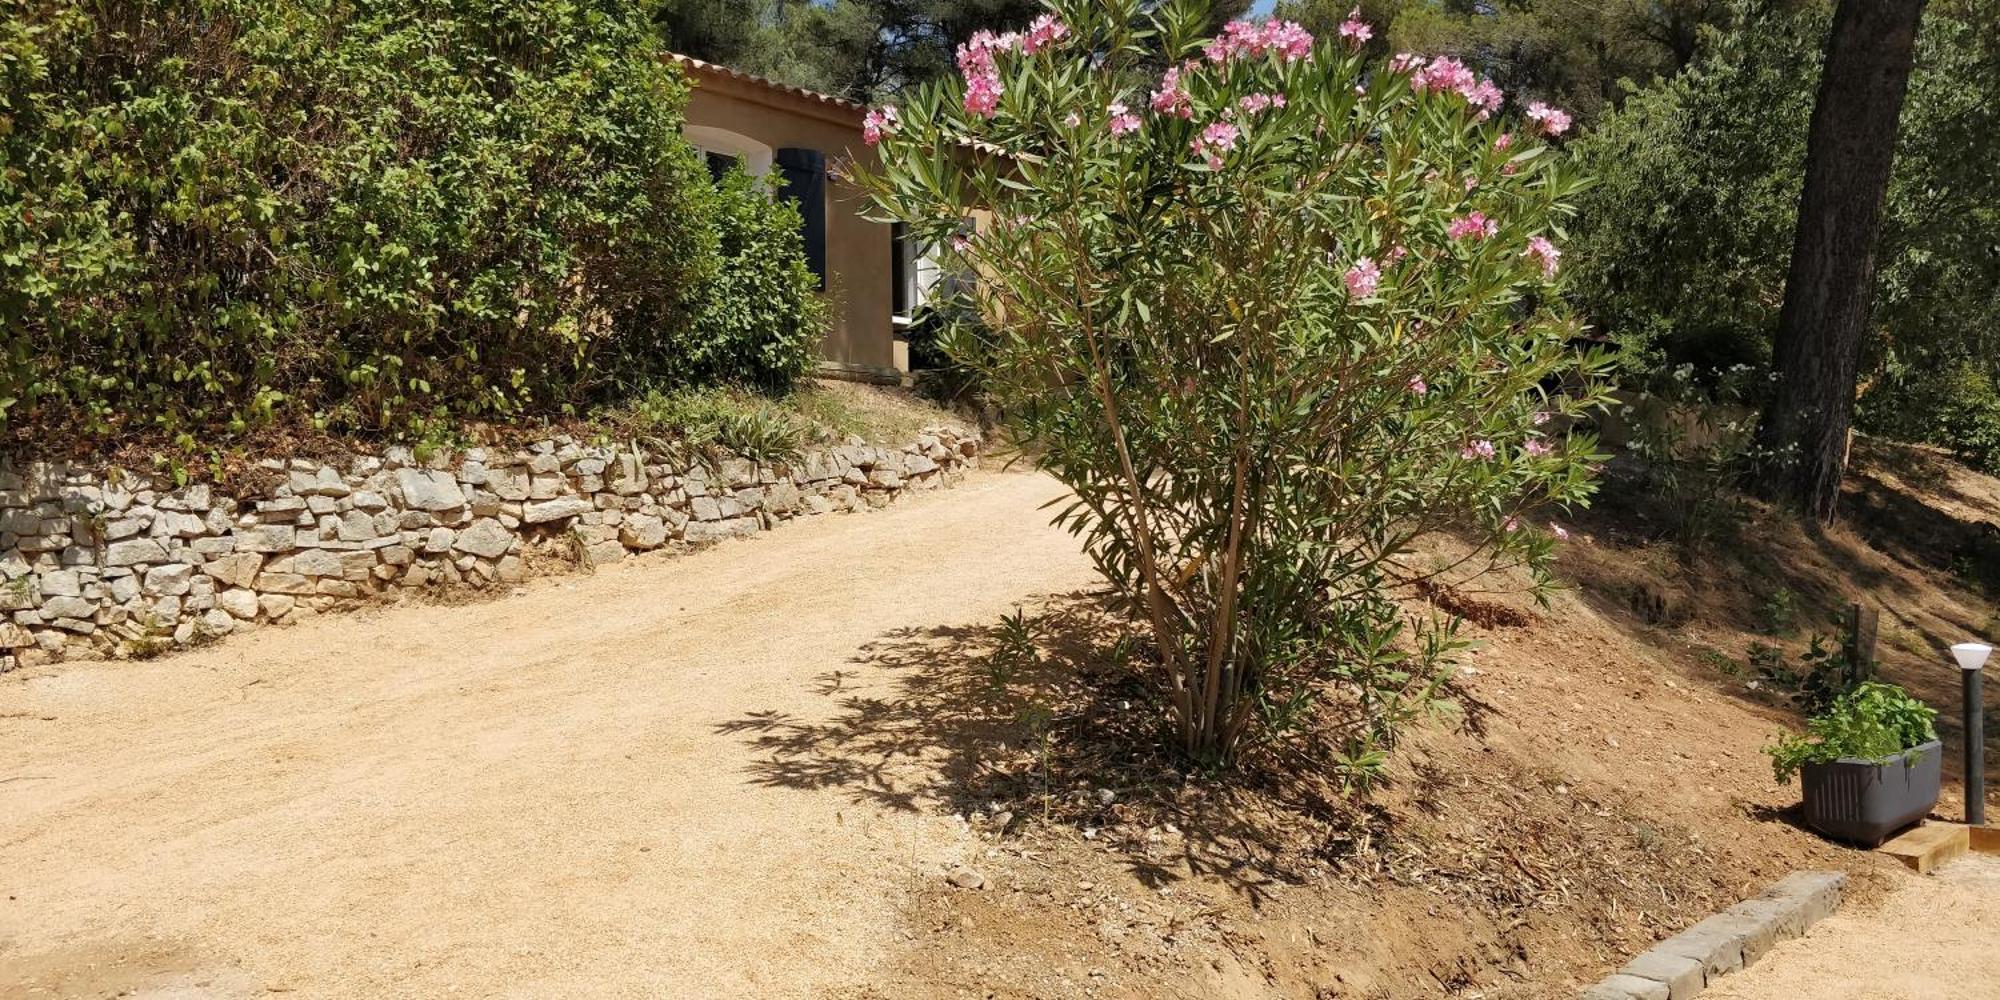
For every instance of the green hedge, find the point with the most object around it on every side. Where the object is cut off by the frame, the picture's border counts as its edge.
(366, 213)
(759, 322)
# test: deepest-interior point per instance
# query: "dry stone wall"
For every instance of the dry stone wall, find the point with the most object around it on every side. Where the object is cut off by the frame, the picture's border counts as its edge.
(105, 561)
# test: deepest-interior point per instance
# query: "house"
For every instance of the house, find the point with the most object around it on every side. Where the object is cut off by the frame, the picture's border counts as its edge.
(875, 281)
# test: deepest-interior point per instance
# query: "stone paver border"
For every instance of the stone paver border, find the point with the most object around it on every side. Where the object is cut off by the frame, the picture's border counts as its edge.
(1683, 965)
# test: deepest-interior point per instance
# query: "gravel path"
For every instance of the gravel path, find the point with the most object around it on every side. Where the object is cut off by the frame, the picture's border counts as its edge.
(540, 796)
(1931, 938)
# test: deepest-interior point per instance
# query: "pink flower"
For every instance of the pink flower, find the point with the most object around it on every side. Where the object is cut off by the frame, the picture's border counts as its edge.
(1170, 99)
(1475, 226)
(1239, 39)
(1536, 447)
(1044, 32)
(1505, 140)
(1541, 417)
(1405, 62)
(877, 122)
(1122, 118)
(1481, 449)
(982, 96)
(1220, 137)
(982, 75)
(1398, 252)
(1554, 121)
(1485, 96)
(1444, 73)
(1072, 120)
(1509, 168)
(1511, 524)
(1541, 249)
(1471, 182)
(1417, 385)
(1355, 30)
(1362, 278)
(1560, 532)
(1253, 103)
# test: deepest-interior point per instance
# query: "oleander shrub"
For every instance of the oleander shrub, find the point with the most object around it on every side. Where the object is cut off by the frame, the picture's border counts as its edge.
(217, 213)
(1273, 317)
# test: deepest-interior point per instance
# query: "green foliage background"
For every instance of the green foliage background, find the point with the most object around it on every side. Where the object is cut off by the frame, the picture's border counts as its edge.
(1682, 248)
(361, 212)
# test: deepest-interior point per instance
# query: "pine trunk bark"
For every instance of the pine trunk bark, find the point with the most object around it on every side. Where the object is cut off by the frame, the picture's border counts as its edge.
(1824, 320)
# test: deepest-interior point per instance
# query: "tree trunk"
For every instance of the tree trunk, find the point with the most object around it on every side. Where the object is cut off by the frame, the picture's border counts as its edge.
(1825, 316)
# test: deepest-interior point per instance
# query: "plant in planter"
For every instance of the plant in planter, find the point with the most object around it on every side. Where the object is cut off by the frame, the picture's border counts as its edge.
(1868, 765)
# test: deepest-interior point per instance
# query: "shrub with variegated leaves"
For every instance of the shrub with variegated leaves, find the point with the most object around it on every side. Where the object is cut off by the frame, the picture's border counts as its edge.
(1274, 313)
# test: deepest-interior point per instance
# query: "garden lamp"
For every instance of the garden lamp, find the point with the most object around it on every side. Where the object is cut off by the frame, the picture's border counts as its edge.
(1971, 656)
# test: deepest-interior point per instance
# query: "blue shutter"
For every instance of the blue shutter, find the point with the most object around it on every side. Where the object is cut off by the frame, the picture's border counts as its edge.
(805, 185)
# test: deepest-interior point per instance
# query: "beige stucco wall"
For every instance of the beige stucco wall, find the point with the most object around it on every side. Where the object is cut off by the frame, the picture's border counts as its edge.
(858, 252)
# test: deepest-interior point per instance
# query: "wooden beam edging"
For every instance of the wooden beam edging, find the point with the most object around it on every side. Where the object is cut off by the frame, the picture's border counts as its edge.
(1683, 965)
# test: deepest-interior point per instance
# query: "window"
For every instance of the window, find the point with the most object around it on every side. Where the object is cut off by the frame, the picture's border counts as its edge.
(919, 274)
(724, 148)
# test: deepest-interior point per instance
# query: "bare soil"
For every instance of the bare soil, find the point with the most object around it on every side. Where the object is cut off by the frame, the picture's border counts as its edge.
(793, 766)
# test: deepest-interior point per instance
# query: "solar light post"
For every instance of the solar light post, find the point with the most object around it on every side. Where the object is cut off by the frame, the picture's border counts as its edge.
(1971, 656)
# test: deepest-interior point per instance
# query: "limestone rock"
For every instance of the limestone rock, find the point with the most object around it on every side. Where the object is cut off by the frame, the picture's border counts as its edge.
(643, 532)
(485, 538)
(425, 489)
(555, 510)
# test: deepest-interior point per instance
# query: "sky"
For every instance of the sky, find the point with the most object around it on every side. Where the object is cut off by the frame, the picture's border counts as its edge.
(1262, 8)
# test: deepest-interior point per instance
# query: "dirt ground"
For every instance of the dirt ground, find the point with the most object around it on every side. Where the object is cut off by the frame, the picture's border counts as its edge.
(756, 771)
(1930, 938)
(541, 796)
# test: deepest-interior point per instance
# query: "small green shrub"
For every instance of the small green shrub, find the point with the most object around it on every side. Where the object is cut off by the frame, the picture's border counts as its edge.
(761, 319)
(1871, 722)
(1827, 670)
(701, 420)
(1778, 614)
(1698, 440)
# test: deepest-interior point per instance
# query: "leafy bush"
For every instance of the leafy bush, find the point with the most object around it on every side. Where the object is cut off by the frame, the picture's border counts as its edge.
(217, 211)
(1957, 407)
(1871, 722)
(1699, 442)
(761, 319)
(1269, 333)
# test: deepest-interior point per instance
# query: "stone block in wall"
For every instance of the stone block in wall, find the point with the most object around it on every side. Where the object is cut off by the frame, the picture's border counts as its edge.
(429, 490)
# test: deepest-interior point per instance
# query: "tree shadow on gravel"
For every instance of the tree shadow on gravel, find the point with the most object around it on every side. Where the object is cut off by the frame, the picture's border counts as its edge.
(1045, 716)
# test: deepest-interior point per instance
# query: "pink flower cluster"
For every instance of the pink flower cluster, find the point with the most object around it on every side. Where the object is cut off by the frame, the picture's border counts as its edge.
(1505, 140)
(1554, 121)
(1122, 118)
(1542, 250)
(1536, 447)
(1362, 278)
(1445, 74)
(1475, 226)
(1218, 138)
(1253, 103)
(1480, 449)
(1354, 30)
(1417, 385)
(1044, 32)
(982, 75)
(877, 122)
(1171, 98)
(1286, 39)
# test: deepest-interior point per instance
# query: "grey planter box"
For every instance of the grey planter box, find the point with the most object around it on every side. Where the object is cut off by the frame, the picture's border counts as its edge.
(1865, 801)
